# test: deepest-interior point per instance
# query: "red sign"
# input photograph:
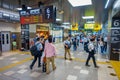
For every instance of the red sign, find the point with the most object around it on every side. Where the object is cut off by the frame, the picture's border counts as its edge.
(31, 19)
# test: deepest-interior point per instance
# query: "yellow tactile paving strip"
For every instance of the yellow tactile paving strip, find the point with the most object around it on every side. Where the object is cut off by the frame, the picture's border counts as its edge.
(116, 66)
(15, 64)
(28, 59)
(82, 60)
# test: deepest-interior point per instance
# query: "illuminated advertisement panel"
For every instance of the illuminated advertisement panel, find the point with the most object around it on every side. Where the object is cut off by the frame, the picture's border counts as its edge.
(89, 26)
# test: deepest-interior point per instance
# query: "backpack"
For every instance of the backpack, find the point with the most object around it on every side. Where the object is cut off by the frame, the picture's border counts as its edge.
(33, 50)
(86, 47)
(69, 45)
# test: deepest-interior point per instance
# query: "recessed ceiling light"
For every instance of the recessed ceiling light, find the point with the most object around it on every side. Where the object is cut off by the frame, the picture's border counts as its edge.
(21, 8)
(88, 17)
(66, 23)
(58, 19)
(76, 3)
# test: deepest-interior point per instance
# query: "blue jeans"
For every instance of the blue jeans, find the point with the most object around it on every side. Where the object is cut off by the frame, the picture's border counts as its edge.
(74, 47)
(105, 47)
(102, 49)
(35, 59)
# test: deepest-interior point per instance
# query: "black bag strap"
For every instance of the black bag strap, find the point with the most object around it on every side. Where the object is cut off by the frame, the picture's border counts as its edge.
(37, 44)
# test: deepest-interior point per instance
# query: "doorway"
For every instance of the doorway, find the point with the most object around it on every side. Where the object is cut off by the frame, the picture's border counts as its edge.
(5, 41)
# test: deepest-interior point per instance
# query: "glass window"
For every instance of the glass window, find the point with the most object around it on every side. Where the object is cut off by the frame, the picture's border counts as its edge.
(7, 39)
(3, 39)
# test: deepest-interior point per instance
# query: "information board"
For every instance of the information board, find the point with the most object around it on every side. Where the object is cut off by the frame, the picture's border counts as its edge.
(115, 39)
(32, 16)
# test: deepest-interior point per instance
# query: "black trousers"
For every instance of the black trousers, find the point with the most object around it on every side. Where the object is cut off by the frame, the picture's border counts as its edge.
(91, 55)
(35, 59)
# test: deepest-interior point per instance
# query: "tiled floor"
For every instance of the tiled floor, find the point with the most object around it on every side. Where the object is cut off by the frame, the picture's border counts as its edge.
(66, 70)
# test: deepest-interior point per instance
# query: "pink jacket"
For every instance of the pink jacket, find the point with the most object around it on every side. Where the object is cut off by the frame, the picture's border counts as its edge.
(49, 50)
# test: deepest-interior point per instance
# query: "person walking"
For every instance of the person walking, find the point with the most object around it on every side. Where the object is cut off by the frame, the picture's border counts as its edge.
(14, 44)
(101, 45)
(39, 54)
(75, 44)
(78, 39)
(50, 53)
(105, 43)
(85, 39)
(67, 45)
(91, 54)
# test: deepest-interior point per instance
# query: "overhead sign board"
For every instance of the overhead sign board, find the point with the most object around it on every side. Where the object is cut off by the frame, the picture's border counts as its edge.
(115, 23)
(45, 15)
(35, 11)
(115, 39)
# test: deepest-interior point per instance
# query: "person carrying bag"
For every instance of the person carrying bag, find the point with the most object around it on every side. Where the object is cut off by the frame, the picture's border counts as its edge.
(91, 54)
(50, 53)
(36, 52)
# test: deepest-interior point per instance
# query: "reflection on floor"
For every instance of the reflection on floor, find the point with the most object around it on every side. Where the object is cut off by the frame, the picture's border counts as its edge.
(16, 67)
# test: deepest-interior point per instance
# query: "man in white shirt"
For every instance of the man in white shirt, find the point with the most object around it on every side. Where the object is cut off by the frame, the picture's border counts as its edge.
(91, 53)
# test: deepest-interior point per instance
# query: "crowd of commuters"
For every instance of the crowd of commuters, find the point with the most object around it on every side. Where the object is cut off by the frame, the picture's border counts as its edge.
(90, 43)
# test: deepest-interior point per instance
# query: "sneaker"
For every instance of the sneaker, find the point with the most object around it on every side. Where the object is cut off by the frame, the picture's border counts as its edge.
(47, 72)
(71, 59)
(39, 66)
(96, 66)
(65, 58)
(54, 68)
(31, 67)
(87, 65)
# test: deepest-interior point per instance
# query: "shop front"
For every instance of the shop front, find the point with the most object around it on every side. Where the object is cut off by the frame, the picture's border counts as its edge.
(42, 31)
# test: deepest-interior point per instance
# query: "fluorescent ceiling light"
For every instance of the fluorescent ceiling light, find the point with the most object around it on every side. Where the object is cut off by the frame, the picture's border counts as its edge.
(76, 3)
(66, 23)
(107, 4)
(21, 8)
(58, 19)
(88, 17)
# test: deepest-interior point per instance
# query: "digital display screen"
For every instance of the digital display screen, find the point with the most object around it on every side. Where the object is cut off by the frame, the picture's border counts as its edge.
(31, 19)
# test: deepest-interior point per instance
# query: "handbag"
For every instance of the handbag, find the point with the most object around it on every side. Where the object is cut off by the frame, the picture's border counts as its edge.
(44, 64)
(44, 59)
